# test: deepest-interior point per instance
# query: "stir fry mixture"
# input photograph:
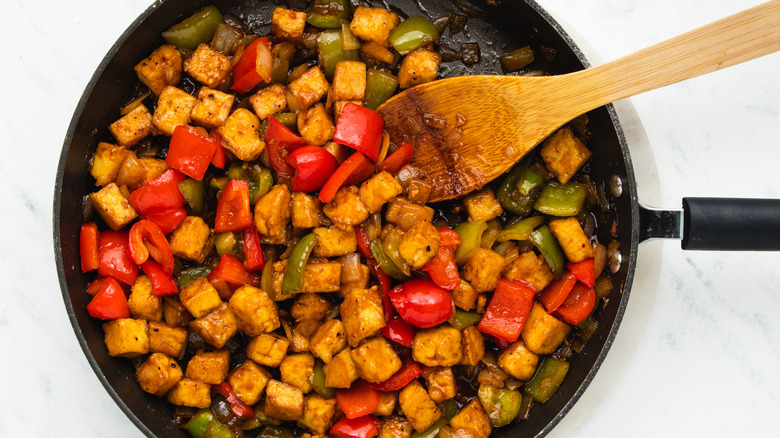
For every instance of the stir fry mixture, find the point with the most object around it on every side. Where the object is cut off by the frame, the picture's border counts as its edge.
(266, 258)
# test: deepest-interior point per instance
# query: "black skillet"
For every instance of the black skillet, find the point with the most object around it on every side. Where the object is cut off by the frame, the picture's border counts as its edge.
(497, 29)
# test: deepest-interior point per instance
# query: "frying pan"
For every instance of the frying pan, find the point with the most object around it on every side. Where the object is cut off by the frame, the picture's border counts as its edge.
(497, 29)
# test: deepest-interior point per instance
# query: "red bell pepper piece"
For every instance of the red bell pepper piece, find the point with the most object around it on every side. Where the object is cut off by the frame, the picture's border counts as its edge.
(508, 310)
(114, 257)
(358, 400)
(399, 331)
(502, 344)
(422, 303)
(397, 159)
(313, 166)
(409, 371)
(255, 65)
(449, 238)
(241, 409)
(162, 284)
(556, 292)
(219, 159)
(361, 129)
(147, 239)
(232, 271)
(363, 242)
(168, 220)
(254, 260)
(110, 302)
(160, 194)
(585, 271)
(190, 152)
(442, 269)
(280, 141)
(88, 247)
(361, 427)
(578, 304)
(353, 168)
(234, 211)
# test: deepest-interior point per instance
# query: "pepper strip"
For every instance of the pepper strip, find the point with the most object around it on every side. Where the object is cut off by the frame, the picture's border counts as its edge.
(88, 247)
(241, 409)
(296, 264)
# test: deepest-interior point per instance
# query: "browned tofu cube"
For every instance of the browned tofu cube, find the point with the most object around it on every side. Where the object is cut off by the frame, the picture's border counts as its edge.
(288, 24)
(482, 205)
(269, 100)
(209, 366)
(406, 214)
(543, 333)
(318, 413)
(329, 339)
(473, 344)
(440, 382)
(418, 67)
(564, 154)
(160, 69)
(573, 240)
(126, 337)
(349, 81)
(418, 406)
(192, 239)
(528, 267)
(218, 326)
(212, 108)
(315, 125)
(248, 381)
(200, 297)
(483, 269)
(377, 52)
(305, 210)
(362, 314)
(387, 402)
(309, 88)
(132, 127)
(346, 209)
(174, 313)
(296, 369)
(334, 242)
(173, 109)
(142, 303)
(106, 163)
(322, 277)
(395, 427)
(283, 401)
(255, 310)
(309, 306)
(171, 341)
(464, 295)
(375, 360)
(158, 374)
(419, 244)
(192, 393)
(240, 135)
(113, 206)
(272, 211)
(268, 349)
(373, 24)
(438, 346)
(341, 371)
(378, 190)
(472, 421)
(518, 361)
(482, 302)
(208, 66)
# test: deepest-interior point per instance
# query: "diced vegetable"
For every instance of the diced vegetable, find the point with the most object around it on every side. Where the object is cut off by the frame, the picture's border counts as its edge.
(544, 240)
(422, 303)
(196, 29)
(380, 85)
(331, 50)
(255, 65)
(328, 14)
(517, 59)
(313, 166)
(413, 33)
(501, 405)
(88, 247)
(508, 310)
(547, 379)
(361, 129)
(293, 275)
(561, 199)
(470, 234)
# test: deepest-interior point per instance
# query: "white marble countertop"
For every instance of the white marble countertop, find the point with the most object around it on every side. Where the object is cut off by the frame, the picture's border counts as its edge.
(698, 353)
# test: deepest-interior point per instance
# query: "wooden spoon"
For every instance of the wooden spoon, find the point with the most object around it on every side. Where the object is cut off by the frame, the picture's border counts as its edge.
(493, 121)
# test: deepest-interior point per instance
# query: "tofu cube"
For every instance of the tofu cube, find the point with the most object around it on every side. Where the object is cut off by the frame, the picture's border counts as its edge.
(419, 244)
(288, 24)
(440, 382)
(208, 66)
(377, 52)
(341, 371)
(171, 341)
(395, 427)
(132, 127)
(174, 313)
(296, 369)
(318, 413)
(472, 421)
(322, 277)
(543, 333)
(483, 269)
(378, 190)
(518, 361)
(309, 88)
(255, 310)
(248, 381)
(305, 210)
(417, 405)
(363, 314)
(200, 297)
(334, 242)
(375, 360)
(283, 401)
(573, 240)
(158, 374)
(212, 108)
(387, 402)
(438, 346)
(240, 135)
(329, 339)
(160, 69)
(106, 163)
(473, 345)
(349, 81)
(126, 337)
(464, 295)
(300, 341)
(528, 267)
(272, 211)
(209, 366)
(142, 303)
(482, 205)
(173, 109)
(113, 206)
(406, 214)
(269, 100)
(315, 125)
(218, 326)
(373, 24)
(268, 349)
(564, 154)
(346, 209)
(418, 67)
(192, 239)
(309, 306)
(192, 393)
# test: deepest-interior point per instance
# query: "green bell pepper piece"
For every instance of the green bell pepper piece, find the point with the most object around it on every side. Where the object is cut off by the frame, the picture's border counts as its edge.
(431, 431)
(545, 242)
(547, 379)
(520, 229)
(219, 430)
(331, 48)
(196, 29)
(267, 276)
(510, 197)
(461, 319)
(283, 54)
(327, 14)
(413, 33)
(391, 244)
(471, 235)
(561, 199)
(219, 183)
(386, 263)
(450, 409)
(226, 243)
(289, 120)
(199, 423)
(292, 282)
(380, 86)
(501, 405)
(188, 275)
(193, 190)
(237, 171)
(317, 380)
(529, 182)
(259, 420)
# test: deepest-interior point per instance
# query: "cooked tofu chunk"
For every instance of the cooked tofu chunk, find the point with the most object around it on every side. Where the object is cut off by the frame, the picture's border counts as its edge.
(362, 314)
(483, 270)
(482, 302)
(420, 244)
(395, 427)
(126, 337)
(199, 297)
(305, 210)
(255, 310)
(317, 278)
(318, 413)
(417, 405)
(335, 242)
(349, 81)
(160, 69)
(269, 100)
(376, 360)
(518, 361)
(309, 306)
(373, 24)
(132, 127)
(171, 341)
(283, 401)
(248, 381)
(209, 366)
(472, 421)
(378, 190)
(218, 326)
(330, 338)
(482, 205)
(309, 88)
(406, 214)
(573, 240)
(158, 374)
(473, 345)
(440, 382)
(268, 349)
(346, 209)
(173, 109)
(240, 135)
(418, 67)
(288, 24)
(208, 66)
(174, 313)
(190, 393)
(296, 369)
(113, 206)
(564, 154)
(106, 163)
(272, 211)
(142, 303)
(192, 239)
(341, 371)
(315, 125)
(438, 346)
(543, 333)
(387, 402)
(464, 295)
(527, 266)
(212, 108)
(377, 52)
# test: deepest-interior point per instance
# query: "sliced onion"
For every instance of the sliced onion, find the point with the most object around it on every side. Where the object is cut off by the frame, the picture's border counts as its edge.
(134, 104)
(348, 39)
(599, 257)
(226, 38)
(383, 149)
(603, 286)
(350, 268)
